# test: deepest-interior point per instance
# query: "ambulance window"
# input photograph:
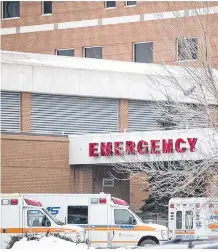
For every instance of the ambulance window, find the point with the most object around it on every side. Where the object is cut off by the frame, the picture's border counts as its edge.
(123, 216)
(189, 219)
(77, 215)
(178, 219)
(36, 218)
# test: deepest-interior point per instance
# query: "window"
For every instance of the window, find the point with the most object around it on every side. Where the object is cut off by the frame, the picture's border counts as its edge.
(123, 216)
(179, 220)
(187, 49)
(36, 218)
(110, 4)
(10, 9)
(46, 7)
(65, 52)
(93, 52)
(77, 215)
(108, 182)
(189, 219)
(143, 52)
(130, 3)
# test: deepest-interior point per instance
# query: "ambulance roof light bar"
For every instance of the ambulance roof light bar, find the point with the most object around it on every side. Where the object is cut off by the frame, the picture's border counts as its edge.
(31, 202)
(119, 202)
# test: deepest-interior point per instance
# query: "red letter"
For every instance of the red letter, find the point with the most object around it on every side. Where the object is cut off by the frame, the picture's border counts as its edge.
(192, 142)
(118, 147)
(154, 146)
(92, 149)
(167, 147)
(177, 145)
(142, 147)
(130, 147)
(106, 149)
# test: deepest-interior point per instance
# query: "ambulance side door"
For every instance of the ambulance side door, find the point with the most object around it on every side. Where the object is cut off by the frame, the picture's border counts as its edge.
(36, 221)
(123, 231)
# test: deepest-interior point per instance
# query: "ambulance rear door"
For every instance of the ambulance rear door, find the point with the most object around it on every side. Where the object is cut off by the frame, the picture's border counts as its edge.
(11, 219)
(184, 220)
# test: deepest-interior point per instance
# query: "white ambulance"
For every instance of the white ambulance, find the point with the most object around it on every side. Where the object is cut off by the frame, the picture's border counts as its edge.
(193, 218)
(109, 222)
(21, 215)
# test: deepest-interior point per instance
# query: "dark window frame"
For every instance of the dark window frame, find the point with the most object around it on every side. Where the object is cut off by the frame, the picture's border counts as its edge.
(67, 49)
(91, 47)
(189, 212)
(42, 216)
(86, 207)
(108, 7)
(43, 8)
(2, 11)
(179, 55)
(115, 210)
(134, 51)
(130, 5)
(179, 220)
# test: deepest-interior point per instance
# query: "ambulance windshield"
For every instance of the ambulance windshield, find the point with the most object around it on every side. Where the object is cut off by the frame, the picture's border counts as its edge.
(58, 222)
(135, 215)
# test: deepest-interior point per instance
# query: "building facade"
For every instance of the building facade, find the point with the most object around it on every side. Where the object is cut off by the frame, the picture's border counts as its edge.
(45, 98)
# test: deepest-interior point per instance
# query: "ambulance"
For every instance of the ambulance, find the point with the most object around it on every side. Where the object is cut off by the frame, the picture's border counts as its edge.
(193, 218)
(20, 216)
(109, 221)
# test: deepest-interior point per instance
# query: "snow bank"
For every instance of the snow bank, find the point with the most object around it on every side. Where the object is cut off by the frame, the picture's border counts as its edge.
(49, 243)
(54, 243)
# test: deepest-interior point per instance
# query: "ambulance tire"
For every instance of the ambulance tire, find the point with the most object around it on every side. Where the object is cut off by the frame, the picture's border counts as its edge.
(148, 243)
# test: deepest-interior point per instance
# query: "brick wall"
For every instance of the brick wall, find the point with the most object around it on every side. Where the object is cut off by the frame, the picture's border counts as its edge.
(121, 187)
(35, 164)
(137, 194)
(117, 40)
(123, 115)
(25, 111)
(83, 179)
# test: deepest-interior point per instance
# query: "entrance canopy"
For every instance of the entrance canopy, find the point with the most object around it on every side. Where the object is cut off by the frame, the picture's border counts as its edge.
(146, 146)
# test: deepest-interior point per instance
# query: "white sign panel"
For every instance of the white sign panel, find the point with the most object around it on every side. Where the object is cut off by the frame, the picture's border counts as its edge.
(169, 145)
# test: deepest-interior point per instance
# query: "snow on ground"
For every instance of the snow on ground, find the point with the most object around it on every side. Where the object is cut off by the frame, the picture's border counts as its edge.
(54, 243)
(49, 243)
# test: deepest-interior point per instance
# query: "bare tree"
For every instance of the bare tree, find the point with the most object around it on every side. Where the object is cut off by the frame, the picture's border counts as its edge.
(190, 93)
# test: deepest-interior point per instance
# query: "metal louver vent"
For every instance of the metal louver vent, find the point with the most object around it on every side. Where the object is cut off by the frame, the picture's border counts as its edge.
(149, 116)
(10, 111)
(61, 114)
(141, 117)
(108, 182)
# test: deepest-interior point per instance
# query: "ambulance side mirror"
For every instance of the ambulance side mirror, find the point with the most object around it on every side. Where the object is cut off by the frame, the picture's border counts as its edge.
(48, 223)
(132, 221)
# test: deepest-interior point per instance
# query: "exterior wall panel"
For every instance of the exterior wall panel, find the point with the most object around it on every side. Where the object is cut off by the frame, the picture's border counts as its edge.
(72, 115)
(10, 111)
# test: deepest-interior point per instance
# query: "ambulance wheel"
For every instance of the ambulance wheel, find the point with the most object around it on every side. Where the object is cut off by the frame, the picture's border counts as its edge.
(147, 243)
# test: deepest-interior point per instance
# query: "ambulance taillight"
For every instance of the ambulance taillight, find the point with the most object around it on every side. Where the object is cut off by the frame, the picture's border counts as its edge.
(171, 205)
(14, 202)
(102, 200)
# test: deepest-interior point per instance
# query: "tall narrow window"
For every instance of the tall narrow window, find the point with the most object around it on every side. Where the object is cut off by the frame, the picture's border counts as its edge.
(10, 9)
(110, 4)
(189, 219)
(179, 220)
(143, 52)
(65, 52)
(46, 7)
(93, 52)
(187, 49)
